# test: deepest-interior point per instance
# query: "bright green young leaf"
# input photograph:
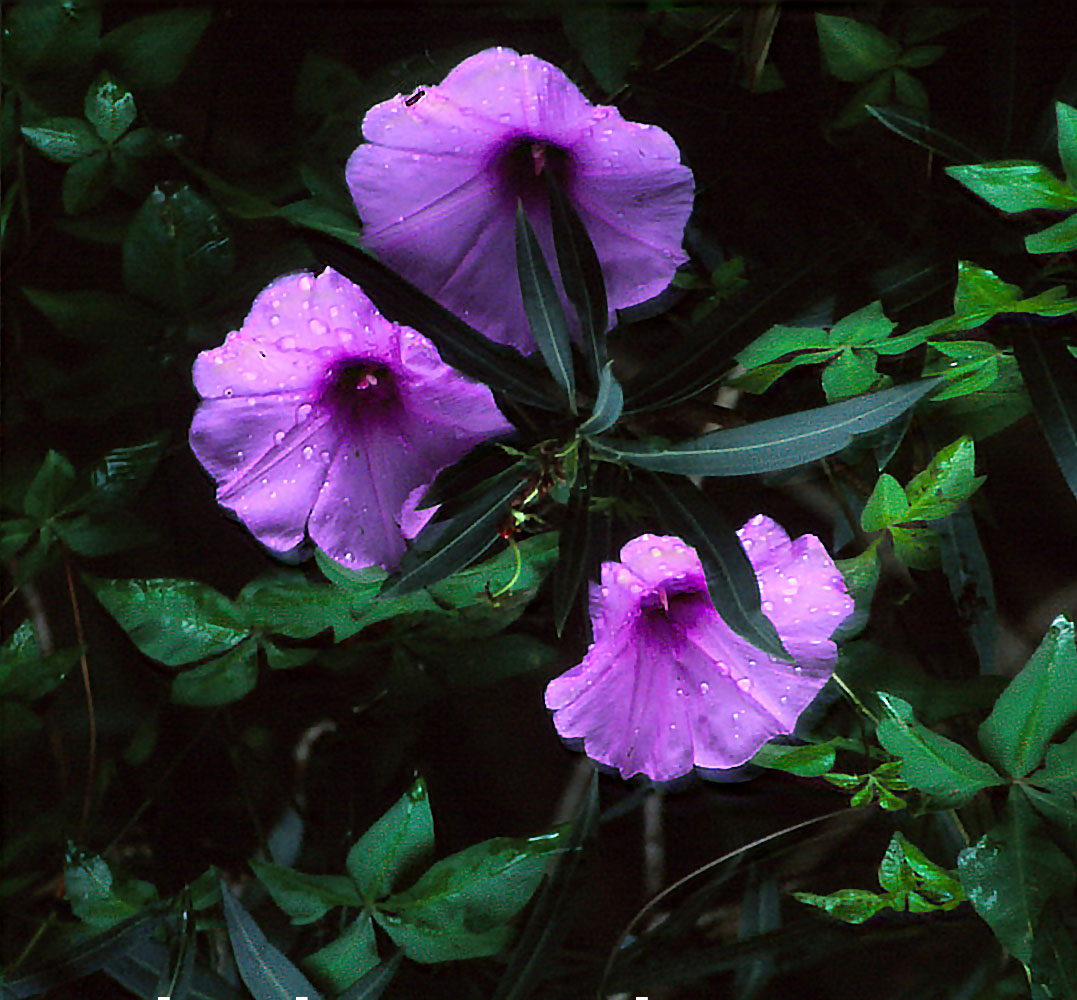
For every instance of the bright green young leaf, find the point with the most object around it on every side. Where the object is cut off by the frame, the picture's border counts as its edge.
(305, 898)
(981, 295)
(930, 762)
(401, 839)
(172, 621)
(854, 51)
(109, 108)
(96, 897)
(222, 680)
(861, 575)
(917, 547)
(851, 906)
(781, 340)
(49, 488)
(916, 883)
(851, 373)
(26, 675)
(1066, 117)
(863, 327)
(1059, 238)
(341, 962)
(150, 51)
(946, 483)
(887, 504)
(1015, 185)
(461, 907)
(63, 140)
(1010, 874)
(266, 972)
(810, 761)
(1039, 701)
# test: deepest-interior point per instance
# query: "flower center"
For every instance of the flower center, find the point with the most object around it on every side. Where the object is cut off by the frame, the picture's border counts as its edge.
(673, 604)
(522, 163)
(355, 386)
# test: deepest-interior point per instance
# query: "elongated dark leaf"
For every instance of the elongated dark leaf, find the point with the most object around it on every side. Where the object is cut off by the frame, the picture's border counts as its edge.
(543, 307)
(266, 972)
(1050, 372)
(909, 125)
(87, 956)
(581, 275)
(481, 463)
(502, 368)
(731, 581)
(140, 971)
(969, 573)
(372, 985)
(706, 353)
(443, 547)
(550, 918)
(574, 548)
(454, 504)
(770, 445)
(608, 404)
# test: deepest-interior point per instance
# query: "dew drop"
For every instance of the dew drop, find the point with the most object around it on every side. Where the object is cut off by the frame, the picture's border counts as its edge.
(656, 552)
(304, 411)
(286, 343)
(325, 456)
(704, 687)
(305, 283)
(319, 328)
(744, 683)
(308, 452)
(752, 663)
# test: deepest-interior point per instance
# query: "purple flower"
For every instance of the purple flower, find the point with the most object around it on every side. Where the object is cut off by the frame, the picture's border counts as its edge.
(668, 686)
(437, 181)
(320, 415)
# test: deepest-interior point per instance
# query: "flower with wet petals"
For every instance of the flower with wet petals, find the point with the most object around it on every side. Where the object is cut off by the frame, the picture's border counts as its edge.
(667, 686)
(437, 181)
(320, 416)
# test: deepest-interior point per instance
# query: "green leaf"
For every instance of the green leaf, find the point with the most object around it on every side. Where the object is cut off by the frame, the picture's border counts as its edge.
(865, 326)
(912, 125)
(916, 547)
(176, 253)
(1066, 117)
(305, 898)
(396, 843)
(542, 306)
(1010, 874)
(49, 488)
(264, 970)
(96, 898)
(909, 92)
(123, 472)
(608, 405)
(981, 295)
(476, 662)
(51, 35)
(930, 762)
(25, 674)
(109, 108)
(86, 183)
(502, 368)
(861, 575)
(1053, 966)
(343, 961)
(731, 578)
(461, 906)
(63, 140)
(1039, 701)
(946, 483)
(969, 574)
(1059, 767)
(149, 52)
(172, 621)
(851, 373)
(581, 275)
(574, 555)
(851, 906)
(887, 505)
(921, 56)
(372, 985)
(92, 315)
(220, 681)
(1050, 372)
(1015, 185)
(1059, 238)
(771, 445)
(916, 883)
(300, 609)
(853, 51)
(607, 38)
(309, 213)
(810, 761)
(781, 340)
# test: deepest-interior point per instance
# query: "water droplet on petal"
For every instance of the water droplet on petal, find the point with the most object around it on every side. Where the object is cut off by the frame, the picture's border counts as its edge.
(308, 452)
(325, 456)
(279, 437)
(286, 343)
(319, 328)
(704, 687)
(744, 683)
(656, 552)
(304, 411)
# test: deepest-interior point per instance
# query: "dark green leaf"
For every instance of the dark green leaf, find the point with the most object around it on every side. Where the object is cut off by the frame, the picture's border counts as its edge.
(542, 306)
(607, 37)
(574, 558)
(219, 681)
(861, 575)
(394, 845)
(481, 464)
(1038, 702)
(930, 762)
(264, 970)
(887, 505)
(771, 445)
(1059, 766)
(373, 984)
(344, 961)
(1066, 118)
(146, 968)
(502, 368)
(608, 404)
(93, 315)
(172, 621)
(550, 918)
(731, 580)
(86, 183)
(811, 761)
(122, 472)
(969, 574)
(315, 215)
(176, 253)
(476, 662)
(1053, 966)
(581, 275)
(1011, 873)
(63, 140)
(109, 108)
(305, 898)
(51, 35)
(150, 51)
(25, 674)
(459, 496)
(49, 488)
(103, 532)
(854, 51)
(1050, 372)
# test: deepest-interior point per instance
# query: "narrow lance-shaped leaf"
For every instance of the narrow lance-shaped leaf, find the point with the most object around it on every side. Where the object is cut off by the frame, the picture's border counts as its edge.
(502, 368)
(543, 307)
(608, 405)
(913, 127)
(570, 573)
(731, 580)
(1050, 372)
(581, 275)
(771, 445)
(483, 462)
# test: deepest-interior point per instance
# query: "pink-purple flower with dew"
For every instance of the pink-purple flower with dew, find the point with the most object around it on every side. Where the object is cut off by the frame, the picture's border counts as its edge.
(668, 686)
(437, 181)
(321, 416)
